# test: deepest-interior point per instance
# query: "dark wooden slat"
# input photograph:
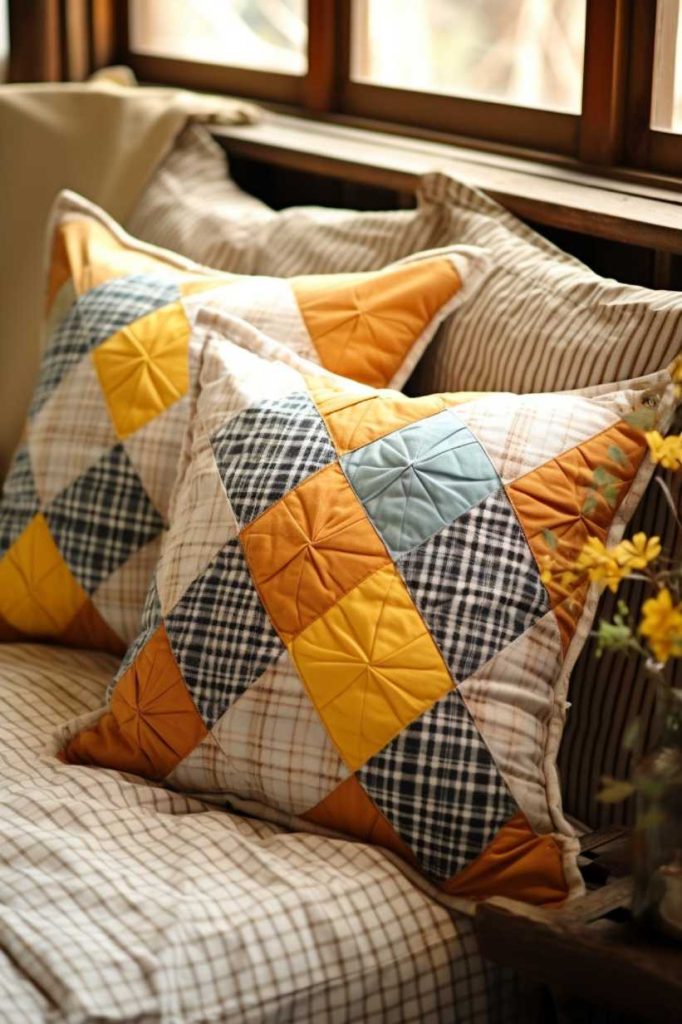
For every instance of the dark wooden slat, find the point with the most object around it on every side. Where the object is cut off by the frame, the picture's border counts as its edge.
(606, 963)
(189, 74)
(553, 196)
(320, 88)
(75, 38)
(664, 152)
(604, 81)
(108, 32)
(35, 41)
(503, 122)
(640, 78)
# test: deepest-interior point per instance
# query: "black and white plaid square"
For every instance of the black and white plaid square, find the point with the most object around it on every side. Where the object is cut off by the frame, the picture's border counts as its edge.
(476, 585)
(102, 518)
(20, 500)
(266, 450)
(438, 785)
(93, 318)
(151, 620)
(220, 634)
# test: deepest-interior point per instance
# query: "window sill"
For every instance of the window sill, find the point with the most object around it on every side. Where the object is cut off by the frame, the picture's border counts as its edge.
(636, 212)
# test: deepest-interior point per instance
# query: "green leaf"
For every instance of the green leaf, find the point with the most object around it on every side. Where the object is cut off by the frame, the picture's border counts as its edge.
(589, 505)
(617, 454)
(610, 494)
(613, 636)
(550, 539)
(614, 791)
(642, 419)
(631, 734)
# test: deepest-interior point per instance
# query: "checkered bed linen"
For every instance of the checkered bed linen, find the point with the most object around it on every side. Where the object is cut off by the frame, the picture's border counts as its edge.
(123, 901)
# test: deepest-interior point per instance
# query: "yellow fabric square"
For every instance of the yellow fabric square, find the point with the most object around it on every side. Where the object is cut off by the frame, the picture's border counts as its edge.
(38, 594)
(144, 368)
(370, 666)
(354, 418)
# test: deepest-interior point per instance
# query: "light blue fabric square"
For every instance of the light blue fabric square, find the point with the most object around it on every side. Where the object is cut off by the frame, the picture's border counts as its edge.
(419, 479)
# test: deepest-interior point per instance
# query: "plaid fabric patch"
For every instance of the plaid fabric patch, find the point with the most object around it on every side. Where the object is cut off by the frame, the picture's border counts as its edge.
(102, 518)
(439, 787)
(93, 318)
(20, 500)
(476, 584)
(220, 635)
(151, 620)
(266, 450)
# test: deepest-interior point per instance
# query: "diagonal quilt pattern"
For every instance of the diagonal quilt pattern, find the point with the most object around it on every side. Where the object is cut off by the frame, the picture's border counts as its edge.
(331, 647)
(87, 498)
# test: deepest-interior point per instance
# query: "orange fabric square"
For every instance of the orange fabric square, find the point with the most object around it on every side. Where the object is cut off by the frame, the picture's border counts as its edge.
(363, 325)
(552, 498)
(349, 809)
(516, 863)
(153, 722)
(310, 549)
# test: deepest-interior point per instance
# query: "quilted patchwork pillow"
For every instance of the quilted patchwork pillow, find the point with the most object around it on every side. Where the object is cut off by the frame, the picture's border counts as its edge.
(348, 627)
(86, 499)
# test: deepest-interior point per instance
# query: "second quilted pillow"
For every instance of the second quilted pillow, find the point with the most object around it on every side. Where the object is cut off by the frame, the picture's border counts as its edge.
(86, 499)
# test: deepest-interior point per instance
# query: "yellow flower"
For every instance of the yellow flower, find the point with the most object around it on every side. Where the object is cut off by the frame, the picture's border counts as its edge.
(662, 626)
(600, 564)
(546, 569)
(638, 552)
(667, 451)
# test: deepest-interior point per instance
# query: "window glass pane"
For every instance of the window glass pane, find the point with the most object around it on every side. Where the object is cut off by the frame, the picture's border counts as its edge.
(526, 52)
(666, 98)
(268, 35)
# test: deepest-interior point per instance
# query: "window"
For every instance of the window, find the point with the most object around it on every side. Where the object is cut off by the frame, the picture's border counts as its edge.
(247, 33)
(595, 80)
(528, 54)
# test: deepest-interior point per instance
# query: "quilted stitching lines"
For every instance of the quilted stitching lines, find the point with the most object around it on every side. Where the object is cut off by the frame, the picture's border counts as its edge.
(263, 452)
(220, 634)
(19, 500)
(417, 480)
(476, 584)
(144, 368)
(94, 317)
(310, 548)
(370, 666)
(102, 518)
(440, 789)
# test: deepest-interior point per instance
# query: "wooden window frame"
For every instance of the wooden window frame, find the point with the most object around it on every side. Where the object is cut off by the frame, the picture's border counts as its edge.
(66, 39)
(645, 147)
